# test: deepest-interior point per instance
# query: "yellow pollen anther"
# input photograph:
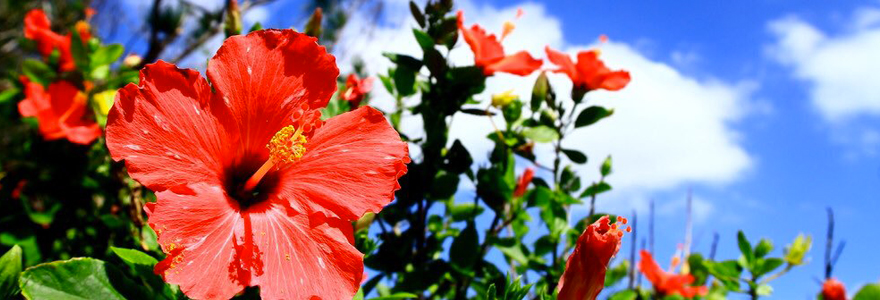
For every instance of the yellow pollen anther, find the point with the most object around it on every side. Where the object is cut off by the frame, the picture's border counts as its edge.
(288, 145)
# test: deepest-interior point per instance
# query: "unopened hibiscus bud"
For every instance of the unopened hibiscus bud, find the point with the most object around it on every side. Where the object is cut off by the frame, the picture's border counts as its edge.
(233, 18)
(131, 60)
(313, 27)
(365, 221)
(833, 289)
(523, 182)
(584, 275)
(503, 99)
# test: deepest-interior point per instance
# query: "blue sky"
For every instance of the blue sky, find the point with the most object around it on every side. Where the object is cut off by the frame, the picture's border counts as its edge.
(766, 110)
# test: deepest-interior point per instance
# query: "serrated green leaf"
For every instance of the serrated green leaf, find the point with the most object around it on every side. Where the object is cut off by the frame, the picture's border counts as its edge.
(591, 115)
(10, 267)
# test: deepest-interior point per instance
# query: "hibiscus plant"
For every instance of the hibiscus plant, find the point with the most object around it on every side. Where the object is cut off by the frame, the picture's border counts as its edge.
(270, 175)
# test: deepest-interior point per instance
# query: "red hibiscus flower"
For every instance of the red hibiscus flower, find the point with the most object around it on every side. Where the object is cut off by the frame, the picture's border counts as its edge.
(523, 182)
(590, 73)
(253, 188)
(38, 28)
(584, 275)
(356, 89)
(489, 55)
(666, 283)
(833, 289)
(61, 111)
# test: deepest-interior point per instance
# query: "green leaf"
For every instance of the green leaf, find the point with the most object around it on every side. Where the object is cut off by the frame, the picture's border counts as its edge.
(595, 189)
(106, 55)
(624, 295)
(464, 211)
(80, 52)
(404, 80)
(37, 71)
(256, 26)
(417, 13)
(10, 267)
(592, 115)
(405, 60)
(870, 291)
(727, 272)
(463, 253)
(134, 257)
(386, 82)
(745, 248)
(763, 248)
(395, 296)
(78, 278)
(617, 273)
(575, 155)
(8, 94)
(606, 166)
(512, 248)
(425, 41)
(768, 265)
(458, 159)
(541, 134)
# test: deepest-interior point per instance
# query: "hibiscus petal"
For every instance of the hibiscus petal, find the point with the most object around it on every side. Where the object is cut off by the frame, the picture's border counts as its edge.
(167, 129)
(351, 167)
(291, 251)
(485, 46)
(196, 226)
(615, 80)
(563, 61)
(522, 63)
(267, 75)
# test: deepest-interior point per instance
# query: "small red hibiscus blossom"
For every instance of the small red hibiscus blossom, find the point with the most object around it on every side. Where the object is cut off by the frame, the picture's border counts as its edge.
(523, 182)
(253, 188)
(489, 54)
(590, 73)
(38, 28)
(833, 289)
(356, 89)
(584, 275)
(60, 111)
(666, 283)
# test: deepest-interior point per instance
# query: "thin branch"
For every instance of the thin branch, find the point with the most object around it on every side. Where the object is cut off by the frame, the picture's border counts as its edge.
(829, 244)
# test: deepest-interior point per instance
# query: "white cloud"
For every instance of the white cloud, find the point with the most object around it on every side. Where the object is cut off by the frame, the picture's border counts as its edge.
(668, 130)
(838, 67)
